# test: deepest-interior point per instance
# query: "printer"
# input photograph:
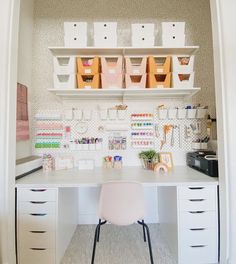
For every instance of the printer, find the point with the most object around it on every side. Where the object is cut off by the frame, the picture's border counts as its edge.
(204, 161)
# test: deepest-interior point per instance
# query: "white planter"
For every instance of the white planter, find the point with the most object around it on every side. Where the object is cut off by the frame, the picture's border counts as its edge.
(181, 113)
(191, 113)
(172, 113)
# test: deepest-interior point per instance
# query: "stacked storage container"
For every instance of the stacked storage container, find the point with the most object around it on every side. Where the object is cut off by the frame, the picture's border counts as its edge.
(105, 34)
(143, 35)
(75, 34)
(64, 76)
(159, 72)
(136, 68)
(88, 76)
(112, 72)
(173, 34)
(183, 74)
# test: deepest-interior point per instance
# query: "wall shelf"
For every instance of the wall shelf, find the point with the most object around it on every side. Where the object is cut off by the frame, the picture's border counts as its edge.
(129, 51)
(92, 94)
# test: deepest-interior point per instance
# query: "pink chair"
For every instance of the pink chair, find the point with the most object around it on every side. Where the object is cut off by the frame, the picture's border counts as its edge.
(122, 203)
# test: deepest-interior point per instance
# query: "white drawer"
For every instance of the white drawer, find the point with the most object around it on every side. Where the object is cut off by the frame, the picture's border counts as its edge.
(197, 192)
(37, 256)
(36, 239)
(198, 254)
(36, 194)
(36, 222)
(198, 219)
(40, 207)
(198, 236)
(202, 204)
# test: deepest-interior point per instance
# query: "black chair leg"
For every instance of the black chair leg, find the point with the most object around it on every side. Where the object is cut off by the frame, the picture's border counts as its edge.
(144, 233)
(149, 243)
(99, 226)
(95, 242)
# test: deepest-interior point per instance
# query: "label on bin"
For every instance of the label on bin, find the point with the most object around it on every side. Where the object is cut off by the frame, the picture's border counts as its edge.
(159, 70)
(112, 71)
(88, 71)
(87, 87)
(160, 86)
(135, 71)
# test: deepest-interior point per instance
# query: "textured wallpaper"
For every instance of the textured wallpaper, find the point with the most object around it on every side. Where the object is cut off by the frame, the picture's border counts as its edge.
(48, 31)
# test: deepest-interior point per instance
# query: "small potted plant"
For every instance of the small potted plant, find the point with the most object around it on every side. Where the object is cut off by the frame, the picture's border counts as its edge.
(149, 158)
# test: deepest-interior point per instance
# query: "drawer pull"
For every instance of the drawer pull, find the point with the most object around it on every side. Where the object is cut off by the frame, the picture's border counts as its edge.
(198, 246)
(196, 188)
(37, 202)
(38, 190)
(196, 200)
(38, 248)
(38, 214)
(197, 229)
(196, 212)
(38, 232)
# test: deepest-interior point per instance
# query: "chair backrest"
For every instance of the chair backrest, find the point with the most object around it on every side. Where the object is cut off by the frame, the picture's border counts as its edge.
(121, 203)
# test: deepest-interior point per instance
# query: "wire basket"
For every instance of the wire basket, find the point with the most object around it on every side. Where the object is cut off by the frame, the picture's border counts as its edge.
(148, 164)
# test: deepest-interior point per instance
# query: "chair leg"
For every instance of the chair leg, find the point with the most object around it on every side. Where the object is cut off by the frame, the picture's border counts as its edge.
(99, 226)
(94, 243)
(144, 233)
(149, 243)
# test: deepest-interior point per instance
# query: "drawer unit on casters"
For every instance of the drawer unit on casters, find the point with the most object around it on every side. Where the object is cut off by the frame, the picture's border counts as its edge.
(36, 225)
(197, 224)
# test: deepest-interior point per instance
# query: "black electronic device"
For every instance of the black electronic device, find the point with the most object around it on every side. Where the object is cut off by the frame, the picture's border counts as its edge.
(204, 161)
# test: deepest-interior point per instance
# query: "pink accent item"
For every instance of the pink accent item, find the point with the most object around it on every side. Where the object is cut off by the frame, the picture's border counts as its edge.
(136, 66)
(121, 203)
(135, 81)
(112, 81)
(112, 65)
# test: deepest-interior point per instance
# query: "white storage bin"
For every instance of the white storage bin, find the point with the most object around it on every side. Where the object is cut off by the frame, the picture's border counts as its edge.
(176, 28)
(105, 28)
(183, 64)
(172, 113)
(201, 113)
(182, 80)
(181, 113)
(172, 40)
(105, 40)
(75, 29)
(78, 114)
(87, 114)
(145, 29)
(112, 114)
(162, 113)
(75, 41)
(64, 81)
(191, 113)
(64, 65)
(103, 114)
(143, 41)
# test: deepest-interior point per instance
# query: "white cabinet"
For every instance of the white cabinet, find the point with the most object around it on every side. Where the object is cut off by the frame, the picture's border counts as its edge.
(44, 225)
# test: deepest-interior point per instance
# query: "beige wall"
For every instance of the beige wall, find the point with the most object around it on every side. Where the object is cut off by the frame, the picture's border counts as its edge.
(24, 75)
(48, 31)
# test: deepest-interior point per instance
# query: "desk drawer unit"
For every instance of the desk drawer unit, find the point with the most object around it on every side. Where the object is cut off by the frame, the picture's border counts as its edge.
(36, 225)
(197, 224)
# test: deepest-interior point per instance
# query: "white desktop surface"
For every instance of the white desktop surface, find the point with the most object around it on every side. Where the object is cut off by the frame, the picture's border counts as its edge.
(180, 175)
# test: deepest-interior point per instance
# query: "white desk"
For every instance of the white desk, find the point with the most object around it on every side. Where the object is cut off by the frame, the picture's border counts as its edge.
(47, 211)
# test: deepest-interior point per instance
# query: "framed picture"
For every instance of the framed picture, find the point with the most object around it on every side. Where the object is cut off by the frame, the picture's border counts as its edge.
(166, 158)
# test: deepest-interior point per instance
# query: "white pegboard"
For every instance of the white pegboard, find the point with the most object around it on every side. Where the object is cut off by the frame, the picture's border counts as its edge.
(96, 128)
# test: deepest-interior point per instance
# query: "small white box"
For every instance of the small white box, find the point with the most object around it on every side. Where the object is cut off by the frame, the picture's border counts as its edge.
(172, 40)
(85, 164)
(201, 113)
(172, 113)
(64, 65)
(143, 41)
(181, 113)
(183, 80)
(182, 64)
(64, 81)
(75, 28)
(162, 113)
(105, 40)
(191, 113)
(145, 30)
(176, 28)
(105, 28)
(75, 41)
